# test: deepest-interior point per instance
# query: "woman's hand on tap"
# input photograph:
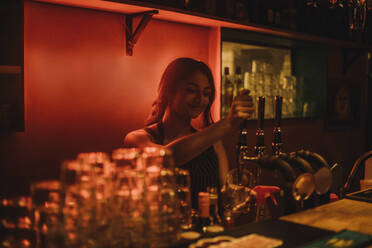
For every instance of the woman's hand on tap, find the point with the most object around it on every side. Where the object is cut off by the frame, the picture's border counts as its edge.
(241, 107)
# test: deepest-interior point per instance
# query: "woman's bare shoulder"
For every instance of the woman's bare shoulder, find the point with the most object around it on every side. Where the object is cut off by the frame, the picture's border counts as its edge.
(137, 138)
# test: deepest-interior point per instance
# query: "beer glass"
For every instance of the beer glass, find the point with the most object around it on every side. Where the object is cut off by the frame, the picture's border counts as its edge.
(16, 223)
(70, 182)
(237, 194)
(184, 196)
(95, 195)
(47, 213)
(161, 199)
(128, 226)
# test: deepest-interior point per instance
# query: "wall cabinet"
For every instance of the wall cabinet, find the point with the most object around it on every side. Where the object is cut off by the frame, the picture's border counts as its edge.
(11, 66)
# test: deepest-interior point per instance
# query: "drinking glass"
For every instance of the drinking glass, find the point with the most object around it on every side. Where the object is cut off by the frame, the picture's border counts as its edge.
(47, 213)
(128, 226)
(95, 194)
(16, 223)
(102, 171)
(237, 194)
(127, 157)
(184, 196)
(161, 199)
(70, 182)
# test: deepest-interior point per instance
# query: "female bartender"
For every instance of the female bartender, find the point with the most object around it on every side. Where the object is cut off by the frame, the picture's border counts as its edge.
(185, 92)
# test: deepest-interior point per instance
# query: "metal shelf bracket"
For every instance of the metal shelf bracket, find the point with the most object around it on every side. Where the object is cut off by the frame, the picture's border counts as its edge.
(132, 37)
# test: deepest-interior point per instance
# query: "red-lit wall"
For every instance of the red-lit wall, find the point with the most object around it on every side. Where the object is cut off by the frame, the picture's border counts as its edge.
(82, 93)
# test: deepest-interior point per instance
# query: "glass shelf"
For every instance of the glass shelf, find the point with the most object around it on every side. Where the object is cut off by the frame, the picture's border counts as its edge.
(270, 66)
(265, 71)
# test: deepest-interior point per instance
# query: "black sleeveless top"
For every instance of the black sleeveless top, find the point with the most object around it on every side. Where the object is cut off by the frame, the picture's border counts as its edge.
(204, 170)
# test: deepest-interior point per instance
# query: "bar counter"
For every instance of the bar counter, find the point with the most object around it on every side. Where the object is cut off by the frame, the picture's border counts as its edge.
(343, 214)
(306, 226)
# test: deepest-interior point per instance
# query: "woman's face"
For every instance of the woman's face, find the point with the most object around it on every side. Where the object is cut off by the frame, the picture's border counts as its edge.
(192, 96)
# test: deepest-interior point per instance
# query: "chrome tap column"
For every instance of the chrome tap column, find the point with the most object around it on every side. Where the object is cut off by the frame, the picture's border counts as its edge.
(260, 141)
(277, 142)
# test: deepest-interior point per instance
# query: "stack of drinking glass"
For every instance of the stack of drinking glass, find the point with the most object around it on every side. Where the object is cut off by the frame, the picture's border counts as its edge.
(128, 200)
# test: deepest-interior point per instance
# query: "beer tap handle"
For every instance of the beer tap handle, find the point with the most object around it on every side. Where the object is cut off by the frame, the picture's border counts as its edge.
(277, 132)
(242, 141)
(278, 110)
(260, 135)
(261, 111)
(241, 148)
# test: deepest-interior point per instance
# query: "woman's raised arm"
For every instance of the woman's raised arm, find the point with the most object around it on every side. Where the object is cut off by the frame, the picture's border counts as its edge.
(188, 147)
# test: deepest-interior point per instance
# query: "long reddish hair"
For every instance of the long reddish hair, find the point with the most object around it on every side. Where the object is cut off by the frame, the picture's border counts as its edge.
(169, 83)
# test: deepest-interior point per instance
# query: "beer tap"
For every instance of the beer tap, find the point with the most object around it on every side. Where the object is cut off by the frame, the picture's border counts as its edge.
(303, 185)
(303, 171)
(278, 161)
(277, 132)
(242, 147)
(310, 166)
(322, 172)
(261, 160)
(298, 163)
(260, 135)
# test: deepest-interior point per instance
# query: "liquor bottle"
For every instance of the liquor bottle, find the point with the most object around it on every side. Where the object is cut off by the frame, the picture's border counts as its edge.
(204, 208)
(269, 12)
(277, 10)
(368, 38)
(226, 8)
(228, 92)
(194, 5)
(308, 16)
(210, 7)
(254, 11)
(291, 15)
(241, 12)
(340, 20)
(239, 83)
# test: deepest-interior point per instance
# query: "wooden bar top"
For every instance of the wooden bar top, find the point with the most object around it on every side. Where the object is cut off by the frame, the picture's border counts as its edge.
(336, 216)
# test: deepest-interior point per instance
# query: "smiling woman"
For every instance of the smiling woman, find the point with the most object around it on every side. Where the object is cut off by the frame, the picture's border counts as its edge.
(194, 97)
(185, 92)
(184, 77)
